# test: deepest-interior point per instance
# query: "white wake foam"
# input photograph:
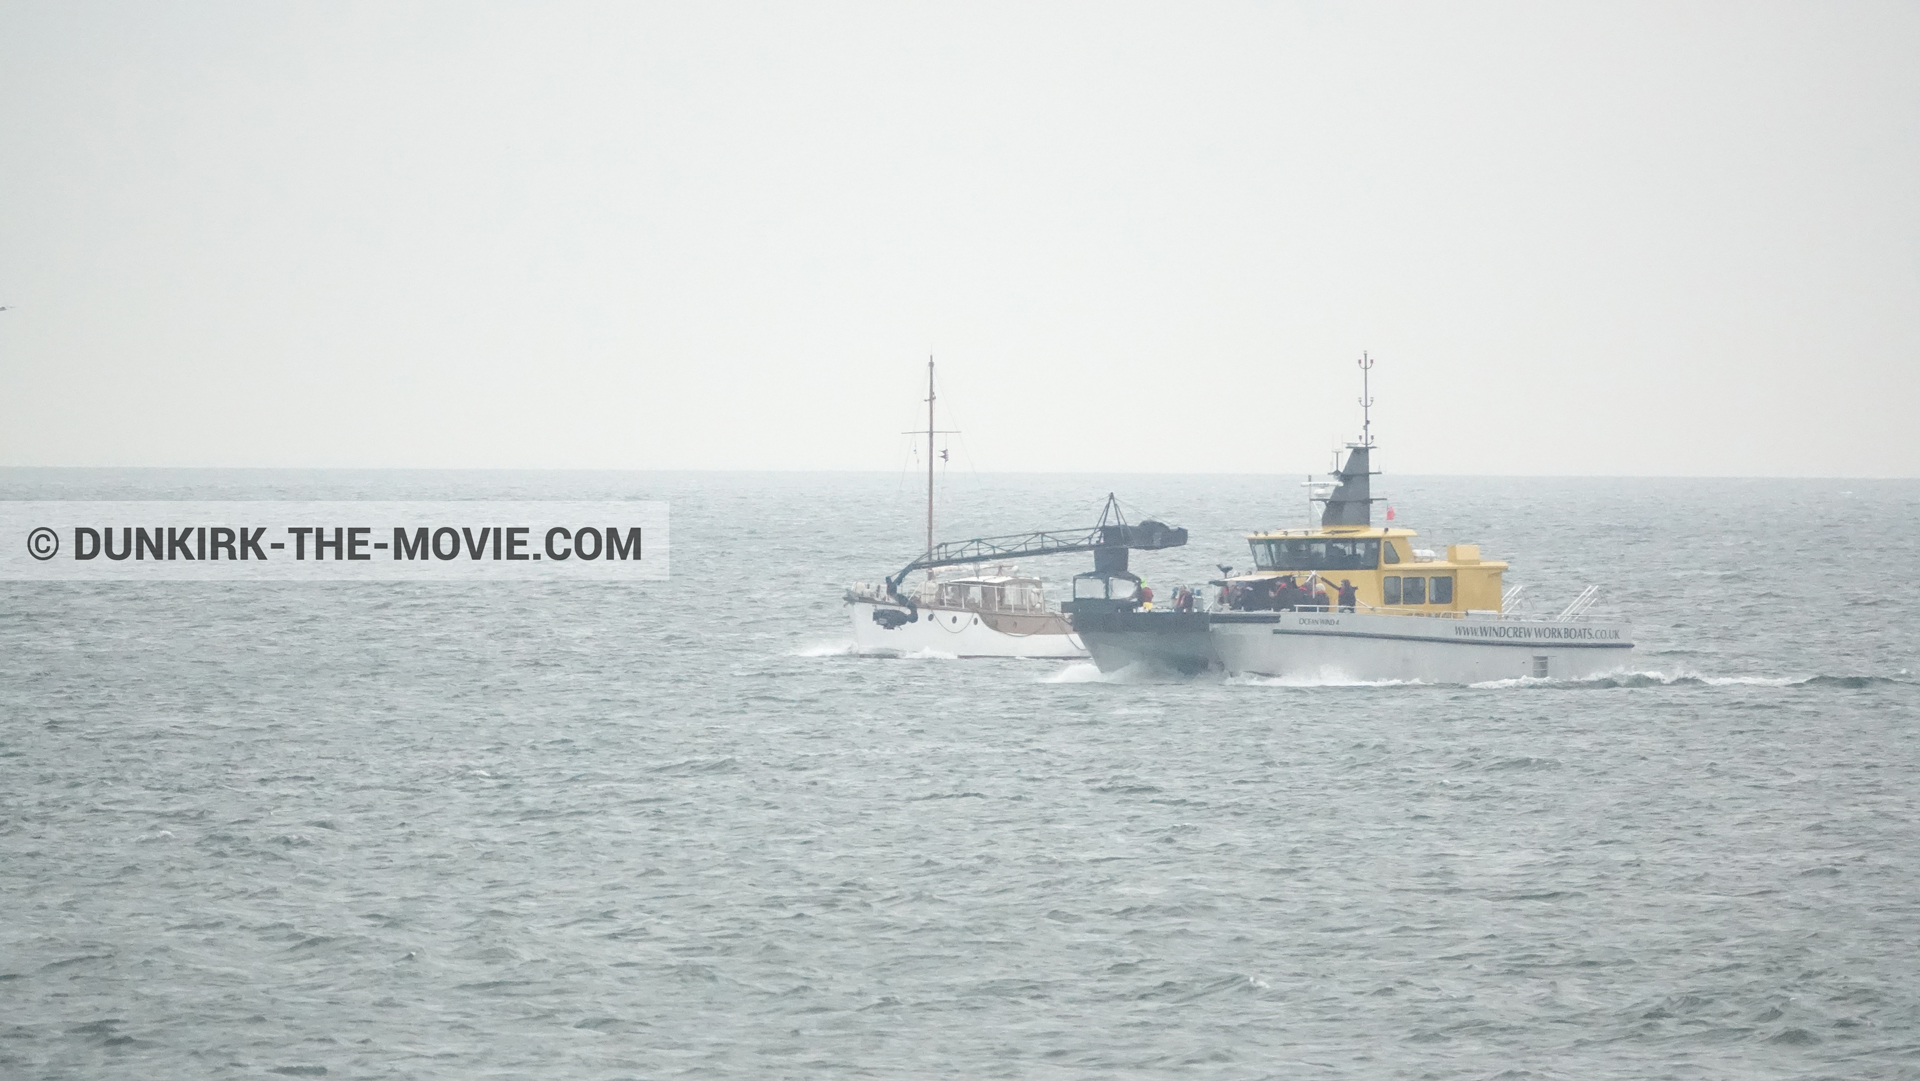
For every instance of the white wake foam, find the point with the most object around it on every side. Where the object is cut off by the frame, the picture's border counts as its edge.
(1077, 672)
(1136, 673)
(1319, 681)
(828, 649)
(1646, 679)
(849, 649)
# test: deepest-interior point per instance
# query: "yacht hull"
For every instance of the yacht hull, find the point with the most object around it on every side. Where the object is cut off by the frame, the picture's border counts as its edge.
(1359, 648)
(966, 633)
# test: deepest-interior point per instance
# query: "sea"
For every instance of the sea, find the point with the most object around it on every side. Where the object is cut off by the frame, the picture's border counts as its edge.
(681, 829)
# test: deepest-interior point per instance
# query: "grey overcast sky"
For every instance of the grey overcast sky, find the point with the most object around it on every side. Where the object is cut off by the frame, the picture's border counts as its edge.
(1608, 238)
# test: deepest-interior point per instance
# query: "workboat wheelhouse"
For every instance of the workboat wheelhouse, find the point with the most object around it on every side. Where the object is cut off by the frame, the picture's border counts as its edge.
(1388, 574)
(1350, 601)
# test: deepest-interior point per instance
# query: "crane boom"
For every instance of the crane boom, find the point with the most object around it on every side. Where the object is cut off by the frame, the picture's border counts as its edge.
(1112, 532)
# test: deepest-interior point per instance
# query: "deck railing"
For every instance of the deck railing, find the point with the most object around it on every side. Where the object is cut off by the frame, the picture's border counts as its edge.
(876, 593)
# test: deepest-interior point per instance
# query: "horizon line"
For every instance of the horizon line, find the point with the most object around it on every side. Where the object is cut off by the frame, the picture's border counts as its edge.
(889, 473)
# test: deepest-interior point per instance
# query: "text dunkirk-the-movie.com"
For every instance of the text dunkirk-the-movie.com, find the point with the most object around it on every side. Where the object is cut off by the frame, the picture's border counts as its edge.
(331, 540)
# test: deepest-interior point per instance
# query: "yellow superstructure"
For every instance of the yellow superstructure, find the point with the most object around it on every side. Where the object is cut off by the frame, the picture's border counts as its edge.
(1387, 572)
(1383, 566)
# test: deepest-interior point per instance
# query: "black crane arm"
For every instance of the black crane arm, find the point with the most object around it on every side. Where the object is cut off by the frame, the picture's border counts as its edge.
(1148, 535)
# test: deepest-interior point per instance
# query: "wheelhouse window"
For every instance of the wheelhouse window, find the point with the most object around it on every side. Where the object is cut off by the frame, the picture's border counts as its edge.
(1442, 589)
(1413, 591)
(1091, 587)
(1316, 554)
(1390, 589)
(1389, 554)
(964, 595)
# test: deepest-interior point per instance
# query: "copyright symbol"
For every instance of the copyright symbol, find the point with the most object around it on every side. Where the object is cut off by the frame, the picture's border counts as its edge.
(43, 543)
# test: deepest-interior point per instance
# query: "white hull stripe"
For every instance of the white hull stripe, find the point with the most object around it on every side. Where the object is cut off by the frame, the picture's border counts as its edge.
(1539, 643)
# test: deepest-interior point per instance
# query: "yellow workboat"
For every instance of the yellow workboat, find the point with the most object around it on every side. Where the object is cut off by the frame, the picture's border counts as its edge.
(1351, 601)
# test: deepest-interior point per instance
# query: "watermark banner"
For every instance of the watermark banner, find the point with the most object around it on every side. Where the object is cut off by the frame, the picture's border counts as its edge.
(204, 541)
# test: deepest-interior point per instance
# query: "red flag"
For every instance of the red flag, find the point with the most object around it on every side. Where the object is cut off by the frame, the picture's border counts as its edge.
(1389, 512)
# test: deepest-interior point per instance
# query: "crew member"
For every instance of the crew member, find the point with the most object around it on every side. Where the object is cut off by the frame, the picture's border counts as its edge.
(1347, 597)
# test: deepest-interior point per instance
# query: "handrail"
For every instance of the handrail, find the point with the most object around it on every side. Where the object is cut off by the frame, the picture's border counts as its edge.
(876, 593)
(1580, 604)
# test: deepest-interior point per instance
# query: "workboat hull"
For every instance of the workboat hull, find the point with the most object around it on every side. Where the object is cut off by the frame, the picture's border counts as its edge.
(959, 632)
(1178, 643)
(1345, 647)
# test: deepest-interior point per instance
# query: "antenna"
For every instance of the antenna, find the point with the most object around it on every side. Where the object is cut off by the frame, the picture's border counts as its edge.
(1366, 400)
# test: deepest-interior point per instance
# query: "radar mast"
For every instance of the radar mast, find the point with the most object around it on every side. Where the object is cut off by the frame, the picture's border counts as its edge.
(1366, 400)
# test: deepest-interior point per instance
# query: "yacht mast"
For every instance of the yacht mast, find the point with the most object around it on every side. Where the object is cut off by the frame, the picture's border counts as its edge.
(930, 432)
(929, 463)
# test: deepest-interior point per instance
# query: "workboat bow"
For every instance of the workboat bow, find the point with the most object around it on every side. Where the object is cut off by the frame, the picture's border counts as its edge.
(1352, 602)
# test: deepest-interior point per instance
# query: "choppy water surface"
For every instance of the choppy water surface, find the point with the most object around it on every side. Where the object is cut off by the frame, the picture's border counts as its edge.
(676, 830)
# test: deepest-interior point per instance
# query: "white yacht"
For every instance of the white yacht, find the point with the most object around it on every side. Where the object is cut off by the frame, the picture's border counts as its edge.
(988, 613)
(999, 613)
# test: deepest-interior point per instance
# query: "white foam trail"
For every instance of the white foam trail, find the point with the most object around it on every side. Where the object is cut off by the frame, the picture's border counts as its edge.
(1518, 681)
(1645, 679)
(849, 649)
(1136, 673)
(1318, 681)
(1078, 672)
(1676, 676)
(1087, 672)
(828, 649)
